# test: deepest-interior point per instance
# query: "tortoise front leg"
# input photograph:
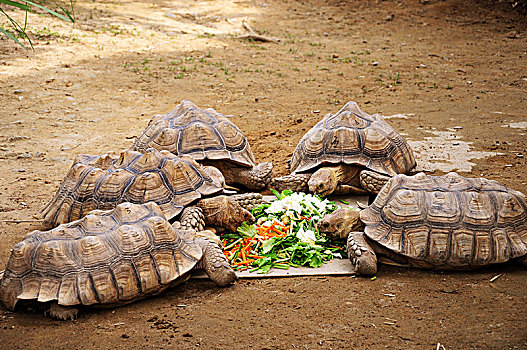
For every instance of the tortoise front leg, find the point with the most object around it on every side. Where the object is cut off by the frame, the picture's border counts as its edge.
(361, 254)
(215, 263)
(294, 181)
(191, 219)
(373, 182)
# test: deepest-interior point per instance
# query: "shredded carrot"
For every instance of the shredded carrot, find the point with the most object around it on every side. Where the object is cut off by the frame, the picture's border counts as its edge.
(246, 262)
(255, 256)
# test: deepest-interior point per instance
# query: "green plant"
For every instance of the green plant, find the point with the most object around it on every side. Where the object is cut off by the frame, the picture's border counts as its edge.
(26, 6)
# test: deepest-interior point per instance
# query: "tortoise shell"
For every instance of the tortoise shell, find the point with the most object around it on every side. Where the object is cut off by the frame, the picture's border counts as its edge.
(200, 133)
(353, 137)
(102, 182)
(107, 257)
(449, 220)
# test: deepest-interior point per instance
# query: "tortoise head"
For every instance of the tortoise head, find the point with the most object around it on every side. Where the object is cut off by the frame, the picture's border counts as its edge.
(224, 212)
(340, 223)
(323, 182)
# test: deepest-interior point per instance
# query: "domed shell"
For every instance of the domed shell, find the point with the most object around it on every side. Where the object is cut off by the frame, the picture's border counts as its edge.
(200, 133)
(102, 182)
(449, 221)
(353, 137)
(107, 257)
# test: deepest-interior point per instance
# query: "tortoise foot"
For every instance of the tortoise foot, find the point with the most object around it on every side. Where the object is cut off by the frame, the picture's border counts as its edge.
(62, 312)
(215, 264)
(361, 254)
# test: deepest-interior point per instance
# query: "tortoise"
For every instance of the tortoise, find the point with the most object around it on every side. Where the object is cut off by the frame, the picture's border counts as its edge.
(103, 181)
(444, 222)
(347, 152)
(105, 259)
(209, 137)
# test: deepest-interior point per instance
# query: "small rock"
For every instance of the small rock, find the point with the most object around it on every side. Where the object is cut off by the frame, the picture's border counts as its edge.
(125, 336)
(317, 111)
(65, 148)
(187, 335)
(458, 127)
(512, 34)
(375, 64)
(17, 122)
(18, 91)
(422, 65)
(508, 165)
(335, 55)
(389, 18)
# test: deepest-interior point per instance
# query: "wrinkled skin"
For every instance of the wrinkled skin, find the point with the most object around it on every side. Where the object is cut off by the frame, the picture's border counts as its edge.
(323, 182)
(224, 212)
(340, 223)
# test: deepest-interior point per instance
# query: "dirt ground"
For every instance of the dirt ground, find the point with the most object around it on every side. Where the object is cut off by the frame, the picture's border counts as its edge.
(451, 74)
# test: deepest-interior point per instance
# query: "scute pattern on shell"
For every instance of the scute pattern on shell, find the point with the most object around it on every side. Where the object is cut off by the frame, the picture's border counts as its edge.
(107, 257)
(102, 182)
(351, 136)
(449, 220)
(200, 133)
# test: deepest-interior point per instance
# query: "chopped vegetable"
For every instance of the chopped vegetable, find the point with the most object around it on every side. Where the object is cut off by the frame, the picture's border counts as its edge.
(285, 234)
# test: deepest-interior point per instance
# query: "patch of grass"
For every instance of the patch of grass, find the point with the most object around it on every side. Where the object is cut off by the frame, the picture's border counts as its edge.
(205, 35)
(45, 33)
(19, 31)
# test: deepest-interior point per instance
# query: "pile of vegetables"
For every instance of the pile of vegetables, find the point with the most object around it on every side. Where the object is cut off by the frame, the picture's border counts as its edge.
(285, 234)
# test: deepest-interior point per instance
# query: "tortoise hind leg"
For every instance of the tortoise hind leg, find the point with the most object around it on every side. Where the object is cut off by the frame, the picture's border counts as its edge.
(372, 181)
(361, 254)
(60, 312)
(215, 264)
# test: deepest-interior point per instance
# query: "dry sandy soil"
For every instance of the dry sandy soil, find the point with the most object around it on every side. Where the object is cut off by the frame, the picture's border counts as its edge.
(452, 75)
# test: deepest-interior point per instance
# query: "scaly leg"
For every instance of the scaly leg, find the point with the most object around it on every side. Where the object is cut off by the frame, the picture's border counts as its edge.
(361, 254)
(373, 182)
(215, 263)
(294, 181)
